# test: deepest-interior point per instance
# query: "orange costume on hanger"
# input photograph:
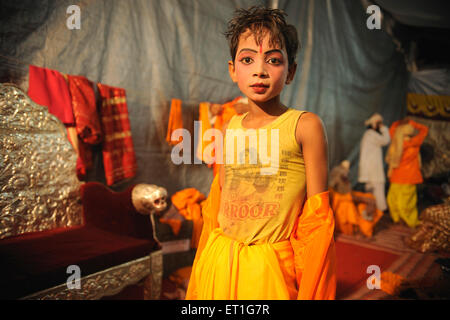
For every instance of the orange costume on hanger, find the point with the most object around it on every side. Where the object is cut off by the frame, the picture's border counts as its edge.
(175, 121)
(205, 117)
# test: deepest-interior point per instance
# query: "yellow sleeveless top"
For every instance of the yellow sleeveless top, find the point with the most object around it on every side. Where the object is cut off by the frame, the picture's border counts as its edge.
(265, 182)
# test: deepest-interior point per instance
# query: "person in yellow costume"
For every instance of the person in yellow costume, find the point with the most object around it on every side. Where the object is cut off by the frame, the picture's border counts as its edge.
(265, 235)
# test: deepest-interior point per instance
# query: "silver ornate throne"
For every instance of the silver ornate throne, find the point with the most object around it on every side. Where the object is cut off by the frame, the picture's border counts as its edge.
(50, 221)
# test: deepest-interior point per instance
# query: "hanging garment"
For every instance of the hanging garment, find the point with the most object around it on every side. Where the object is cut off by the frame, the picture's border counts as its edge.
(119, 159)
(85, 109)
(204, 117)
(217, 122)
(87, 122)
(255, 244)
(175, 121)
(49, 88)
(228, 111)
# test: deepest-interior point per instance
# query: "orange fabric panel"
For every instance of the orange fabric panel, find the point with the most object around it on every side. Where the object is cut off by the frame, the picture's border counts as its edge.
(188, 202)
(175, 121)
(408, 172)
(314, 250)
(210, 209)
(227, 113)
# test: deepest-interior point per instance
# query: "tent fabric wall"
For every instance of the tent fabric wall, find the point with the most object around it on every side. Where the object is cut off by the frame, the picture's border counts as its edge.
(346, 73)
(155, 50)
(159, 50)
(433, 83)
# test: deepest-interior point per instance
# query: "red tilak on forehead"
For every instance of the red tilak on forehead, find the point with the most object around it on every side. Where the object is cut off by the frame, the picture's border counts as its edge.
(260, 48)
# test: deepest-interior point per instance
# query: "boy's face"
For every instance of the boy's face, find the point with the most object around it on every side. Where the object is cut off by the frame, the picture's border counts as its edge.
(261, 71)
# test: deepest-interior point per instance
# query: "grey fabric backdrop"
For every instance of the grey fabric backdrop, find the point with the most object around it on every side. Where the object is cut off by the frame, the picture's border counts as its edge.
(433, 82)
(158, 50)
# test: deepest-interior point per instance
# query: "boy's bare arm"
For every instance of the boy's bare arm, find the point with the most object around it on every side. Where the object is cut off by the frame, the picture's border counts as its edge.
(311, 136)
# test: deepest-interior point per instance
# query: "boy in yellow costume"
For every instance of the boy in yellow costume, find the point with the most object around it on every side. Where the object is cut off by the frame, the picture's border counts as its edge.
(265, 235)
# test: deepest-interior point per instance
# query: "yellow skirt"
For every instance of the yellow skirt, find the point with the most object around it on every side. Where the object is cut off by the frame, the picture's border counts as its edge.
(230, 270)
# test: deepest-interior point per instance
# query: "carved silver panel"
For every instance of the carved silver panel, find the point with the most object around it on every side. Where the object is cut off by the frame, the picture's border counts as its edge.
(153, 283)
(111, 281)
(39, 189)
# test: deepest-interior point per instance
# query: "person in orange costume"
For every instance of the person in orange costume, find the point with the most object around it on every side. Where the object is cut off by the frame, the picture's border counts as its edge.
(344, 208)
(265, 235)
(404, 172)
(353, 210)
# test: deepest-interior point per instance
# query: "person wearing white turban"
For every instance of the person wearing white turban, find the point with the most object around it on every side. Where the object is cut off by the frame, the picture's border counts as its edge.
(371, 170)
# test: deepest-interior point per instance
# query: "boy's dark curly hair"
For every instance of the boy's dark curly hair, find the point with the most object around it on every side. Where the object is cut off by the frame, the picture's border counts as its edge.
(258, 20)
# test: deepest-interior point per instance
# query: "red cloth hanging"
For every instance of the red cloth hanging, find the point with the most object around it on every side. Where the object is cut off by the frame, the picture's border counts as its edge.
(87, 122)
(119, 159)
(49, 88)
(85, 109)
